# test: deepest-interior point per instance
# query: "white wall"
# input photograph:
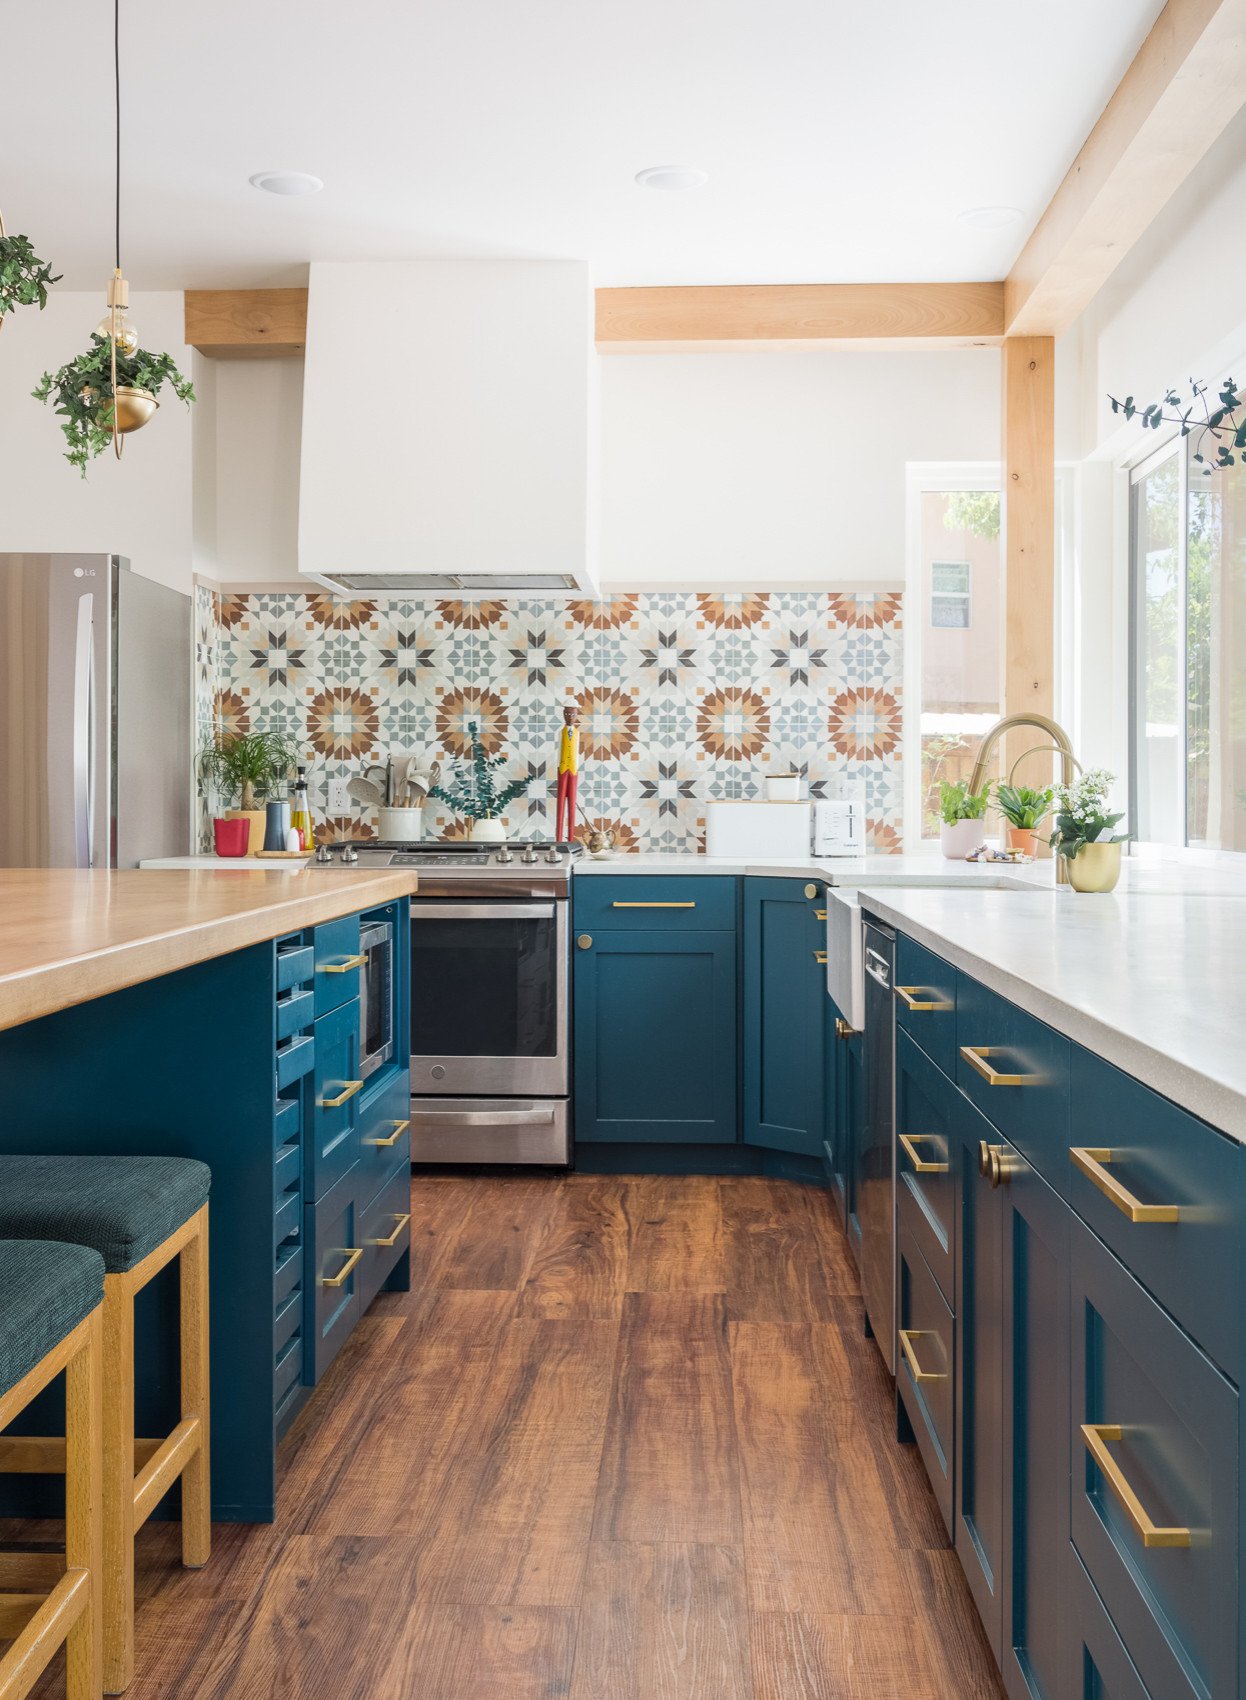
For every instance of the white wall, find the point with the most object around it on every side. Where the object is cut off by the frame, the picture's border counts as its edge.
(246, 462)
(779, 468)
(140, 507)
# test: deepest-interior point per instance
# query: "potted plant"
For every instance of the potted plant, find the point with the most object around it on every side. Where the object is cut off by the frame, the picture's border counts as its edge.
(1024, 810)
(84, 394)
(244, 768)
(24, 277)
(1085, 832)
(474, 795)
(962, 812)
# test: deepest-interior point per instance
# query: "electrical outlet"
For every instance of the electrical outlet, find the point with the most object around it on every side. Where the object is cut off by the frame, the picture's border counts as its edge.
(339, 802)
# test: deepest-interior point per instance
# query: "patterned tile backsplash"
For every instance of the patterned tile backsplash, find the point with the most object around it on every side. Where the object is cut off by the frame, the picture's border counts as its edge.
(683, 696)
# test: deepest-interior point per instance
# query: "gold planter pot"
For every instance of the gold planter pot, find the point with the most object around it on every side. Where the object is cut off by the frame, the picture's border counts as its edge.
(1096, 867)
(256, 819)
(134, 408)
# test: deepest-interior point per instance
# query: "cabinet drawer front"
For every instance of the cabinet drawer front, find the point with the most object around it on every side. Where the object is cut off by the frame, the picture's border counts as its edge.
(1097, 1666)
(925, 1160)
(287, 1121)
(784, 973)
(926, 1001)
(295, 1058)
(386, 1229)
(295, 965)
(288, 1273)
(334, 1276)
(295, 1011)
(287, 1370)
(1157, 1161)
(336, 946)
(336, 1088)
(384, 1134)
(924, 1368)
(1155, 1480)
(1016, 1070)
(655, 901)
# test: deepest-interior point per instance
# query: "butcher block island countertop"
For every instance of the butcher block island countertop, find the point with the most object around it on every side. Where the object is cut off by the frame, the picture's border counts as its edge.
(67, 935)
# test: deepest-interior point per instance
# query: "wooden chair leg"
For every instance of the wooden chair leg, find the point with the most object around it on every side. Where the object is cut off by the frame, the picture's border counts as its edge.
(118, 1495)
(196, 1480)
(84, 1539)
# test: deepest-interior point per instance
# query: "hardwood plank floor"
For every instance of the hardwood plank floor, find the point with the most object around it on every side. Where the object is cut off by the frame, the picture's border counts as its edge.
(625, 1440)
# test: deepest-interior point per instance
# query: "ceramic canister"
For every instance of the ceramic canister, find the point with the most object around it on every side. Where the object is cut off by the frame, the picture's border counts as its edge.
(276, 825)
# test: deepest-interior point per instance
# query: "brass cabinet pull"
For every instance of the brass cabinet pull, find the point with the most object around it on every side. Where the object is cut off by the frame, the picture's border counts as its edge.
(819, 956)
(342, 967)
(843, 1030)
(812, 891)
(907, 1337)
(998, 1172)
(350, 1087)
(584, 941)
(653, 905)
(819, 914)
(353, 1254)
(1096, 1436)
(984, 1159)
(390, 1139)
(1092, 1160)
(915, 1157)
(976, 1055)
(400, 1224)
(922, 997)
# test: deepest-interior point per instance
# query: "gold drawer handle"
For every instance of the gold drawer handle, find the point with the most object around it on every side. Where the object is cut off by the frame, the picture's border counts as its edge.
(907, 1337)
(922, 997)
(350, 963)
(653, 905)
(352, 1258)
(391, 1139)
(819, 914)
(976, 1055)
(843, 1030)
(915, 1157)
(1092, 1160)
(350, 1088)
(1096, 1436)
(401, 1222)
(819, 956)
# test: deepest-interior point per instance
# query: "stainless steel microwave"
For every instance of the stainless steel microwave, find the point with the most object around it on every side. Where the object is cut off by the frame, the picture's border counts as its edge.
(376, 996)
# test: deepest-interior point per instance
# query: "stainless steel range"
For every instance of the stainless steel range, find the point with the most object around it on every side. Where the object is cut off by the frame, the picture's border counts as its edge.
(490, 975)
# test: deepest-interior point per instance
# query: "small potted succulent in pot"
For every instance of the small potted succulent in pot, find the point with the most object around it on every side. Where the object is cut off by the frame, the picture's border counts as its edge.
(962, 812)
(475, 795)
(1024, 810)
(1085, 832)
(245, 768)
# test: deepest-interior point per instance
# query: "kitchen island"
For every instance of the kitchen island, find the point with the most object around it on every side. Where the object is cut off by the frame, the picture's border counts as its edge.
(216, 1016)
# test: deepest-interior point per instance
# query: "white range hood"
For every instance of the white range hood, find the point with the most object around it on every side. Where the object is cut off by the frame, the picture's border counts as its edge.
(449, 427)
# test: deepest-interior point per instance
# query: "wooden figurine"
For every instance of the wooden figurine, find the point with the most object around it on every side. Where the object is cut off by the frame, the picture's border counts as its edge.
(568, 773)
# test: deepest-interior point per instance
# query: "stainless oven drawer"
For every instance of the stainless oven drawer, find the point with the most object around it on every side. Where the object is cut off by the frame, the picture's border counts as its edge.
(490, 1130)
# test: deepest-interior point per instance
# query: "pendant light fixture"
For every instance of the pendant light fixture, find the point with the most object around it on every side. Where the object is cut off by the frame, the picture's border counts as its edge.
(131, 407)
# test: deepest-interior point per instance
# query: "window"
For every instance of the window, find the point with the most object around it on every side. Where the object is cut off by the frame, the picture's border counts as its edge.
(949, 594)
(1188, 576)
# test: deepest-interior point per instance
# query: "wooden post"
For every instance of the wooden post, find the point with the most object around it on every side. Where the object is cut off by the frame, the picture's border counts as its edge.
(1029, 523)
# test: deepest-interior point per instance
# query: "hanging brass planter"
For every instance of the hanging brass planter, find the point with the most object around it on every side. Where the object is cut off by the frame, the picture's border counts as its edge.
(133, 408)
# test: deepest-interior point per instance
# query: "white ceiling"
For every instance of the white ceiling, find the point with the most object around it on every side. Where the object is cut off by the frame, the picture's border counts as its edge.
(842, 136)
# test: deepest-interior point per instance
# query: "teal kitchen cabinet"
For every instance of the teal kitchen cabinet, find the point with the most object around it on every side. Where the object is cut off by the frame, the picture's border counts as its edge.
(655, 1035)
(844, 1099)
(784, 968)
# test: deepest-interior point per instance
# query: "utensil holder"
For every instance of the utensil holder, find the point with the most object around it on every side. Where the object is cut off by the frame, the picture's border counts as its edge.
(400, 826)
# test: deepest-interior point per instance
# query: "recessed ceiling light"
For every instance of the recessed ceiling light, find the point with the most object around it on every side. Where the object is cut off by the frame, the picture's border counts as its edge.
(287, 182)
(672, 177)
(989, 218)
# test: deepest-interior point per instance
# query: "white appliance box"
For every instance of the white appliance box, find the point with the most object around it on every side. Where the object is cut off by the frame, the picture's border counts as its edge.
(744, 829)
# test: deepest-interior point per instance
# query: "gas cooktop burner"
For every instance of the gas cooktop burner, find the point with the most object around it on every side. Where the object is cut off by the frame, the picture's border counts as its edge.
(540, 866)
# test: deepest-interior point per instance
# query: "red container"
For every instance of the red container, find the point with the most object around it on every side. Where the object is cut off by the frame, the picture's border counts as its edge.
(231, 836)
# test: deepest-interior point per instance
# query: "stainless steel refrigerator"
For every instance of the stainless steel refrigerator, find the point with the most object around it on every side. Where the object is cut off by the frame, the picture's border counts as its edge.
(95, 714)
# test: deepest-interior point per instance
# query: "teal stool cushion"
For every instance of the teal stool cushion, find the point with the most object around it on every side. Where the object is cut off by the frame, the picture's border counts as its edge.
(45, 1291)
(122, 1207)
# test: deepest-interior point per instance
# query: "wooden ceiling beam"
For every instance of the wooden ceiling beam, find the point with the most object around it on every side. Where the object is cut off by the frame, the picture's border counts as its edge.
(703, 318)
(246, 324)
(1187, 80)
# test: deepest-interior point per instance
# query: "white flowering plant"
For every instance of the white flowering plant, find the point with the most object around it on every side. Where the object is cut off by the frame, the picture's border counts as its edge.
(1083, 816)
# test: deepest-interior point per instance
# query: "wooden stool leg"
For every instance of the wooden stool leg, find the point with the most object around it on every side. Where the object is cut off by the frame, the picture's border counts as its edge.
(119, 1484)
(196, 1482)
(84, 1542)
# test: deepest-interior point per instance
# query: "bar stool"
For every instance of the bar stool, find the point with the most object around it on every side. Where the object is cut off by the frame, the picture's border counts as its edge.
(51, 1320)
(138, 1213)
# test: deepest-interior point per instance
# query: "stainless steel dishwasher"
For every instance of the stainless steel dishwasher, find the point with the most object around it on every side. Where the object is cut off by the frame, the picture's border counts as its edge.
(876, 1201)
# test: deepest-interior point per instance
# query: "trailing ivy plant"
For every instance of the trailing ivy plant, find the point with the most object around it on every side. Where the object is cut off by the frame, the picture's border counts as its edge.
(476, 797)
(1220, 431)
(24, 277)
(83, 392)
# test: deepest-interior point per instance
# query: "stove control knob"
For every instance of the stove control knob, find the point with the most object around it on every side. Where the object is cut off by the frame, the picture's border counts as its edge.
(553, 854)
(323, 853)
(349, 855)
(504, 856)
(529, 854)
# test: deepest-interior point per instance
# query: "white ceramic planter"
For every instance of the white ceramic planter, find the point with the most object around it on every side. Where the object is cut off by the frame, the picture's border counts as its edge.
(400, 826)
(489, 831)
(961, 837)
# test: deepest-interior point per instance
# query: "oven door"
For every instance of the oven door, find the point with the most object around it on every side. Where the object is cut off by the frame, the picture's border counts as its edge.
(489, 997)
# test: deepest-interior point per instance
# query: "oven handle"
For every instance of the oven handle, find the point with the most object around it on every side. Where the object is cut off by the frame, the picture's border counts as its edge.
(484, 911)
(541, 1117)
